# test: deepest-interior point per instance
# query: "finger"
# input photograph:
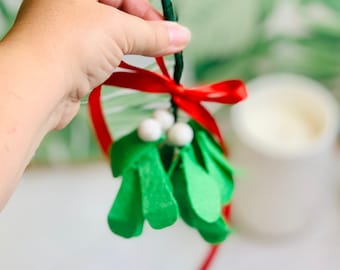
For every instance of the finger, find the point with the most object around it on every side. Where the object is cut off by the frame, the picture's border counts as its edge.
(139, 8)
(152, 38)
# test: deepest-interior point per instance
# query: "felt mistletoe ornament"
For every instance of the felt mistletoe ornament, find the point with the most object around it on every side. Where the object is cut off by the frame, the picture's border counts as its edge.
(146, 192)
(203, 182)
(169, 168)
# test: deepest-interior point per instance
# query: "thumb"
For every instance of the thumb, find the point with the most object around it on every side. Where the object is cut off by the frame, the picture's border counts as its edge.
(152, 38)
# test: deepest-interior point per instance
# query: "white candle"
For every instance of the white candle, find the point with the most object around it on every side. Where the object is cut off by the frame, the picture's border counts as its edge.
(285, 115)
(285, 140)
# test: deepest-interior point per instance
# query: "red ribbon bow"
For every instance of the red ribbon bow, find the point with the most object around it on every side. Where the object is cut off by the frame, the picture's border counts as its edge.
(188, 99)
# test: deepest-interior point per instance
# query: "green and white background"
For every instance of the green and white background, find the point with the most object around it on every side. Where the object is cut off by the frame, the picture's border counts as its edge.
(57, 217)
(231, 39)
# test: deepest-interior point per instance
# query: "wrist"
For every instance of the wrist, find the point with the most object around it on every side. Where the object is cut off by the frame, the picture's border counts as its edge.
(36, 74)
(27, 101)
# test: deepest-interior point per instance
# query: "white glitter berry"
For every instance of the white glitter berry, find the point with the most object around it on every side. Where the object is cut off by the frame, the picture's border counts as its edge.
(180, 134)
(164, 118)
(149, 130)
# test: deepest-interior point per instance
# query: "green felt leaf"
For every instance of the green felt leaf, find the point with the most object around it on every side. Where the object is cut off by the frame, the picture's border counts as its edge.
(181, 193)
(209, 154)
(198, 128)
(159, 205)
(127, 151)
(125, 217)
(216, 152)
(203, 191)
(214, 232)
(217, 165)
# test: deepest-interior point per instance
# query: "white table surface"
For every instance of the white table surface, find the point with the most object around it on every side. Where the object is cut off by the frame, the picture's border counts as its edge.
(57, 220)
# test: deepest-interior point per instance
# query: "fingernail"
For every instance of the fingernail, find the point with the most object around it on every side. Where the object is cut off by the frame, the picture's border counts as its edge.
(179, 36)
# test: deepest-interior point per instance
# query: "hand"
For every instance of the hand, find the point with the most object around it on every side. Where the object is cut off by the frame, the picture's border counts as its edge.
(56, 52)
(84, 40)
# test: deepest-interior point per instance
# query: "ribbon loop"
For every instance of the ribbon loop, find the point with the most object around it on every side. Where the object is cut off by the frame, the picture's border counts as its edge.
(188, 99)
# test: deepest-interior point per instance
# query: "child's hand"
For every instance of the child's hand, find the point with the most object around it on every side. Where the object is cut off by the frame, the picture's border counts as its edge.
(85, 40)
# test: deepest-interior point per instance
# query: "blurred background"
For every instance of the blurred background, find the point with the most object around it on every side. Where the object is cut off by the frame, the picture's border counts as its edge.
(231, 39)
(57, 218)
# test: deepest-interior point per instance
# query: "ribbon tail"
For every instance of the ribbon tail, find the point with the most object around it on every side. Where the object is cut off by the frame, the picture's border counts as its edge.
(155, 83)
(162, 66)
(226, 92)
(203, 117)
(101, 130)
